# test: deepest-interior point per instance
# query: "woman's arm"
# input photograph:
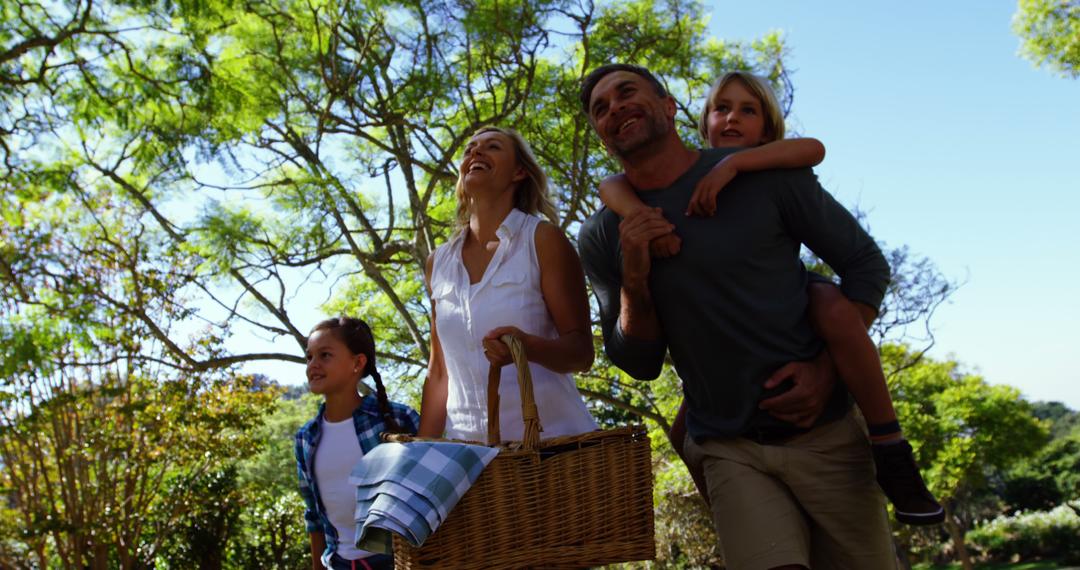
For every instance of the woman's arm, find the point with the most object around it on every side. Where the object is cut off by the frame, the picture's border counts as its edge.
(433, 399)
(562, 283)
(786, 153)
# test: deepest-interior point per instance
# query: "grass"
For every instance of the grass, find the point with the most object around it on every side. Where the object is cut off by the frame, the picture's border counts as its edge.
(1042, 565)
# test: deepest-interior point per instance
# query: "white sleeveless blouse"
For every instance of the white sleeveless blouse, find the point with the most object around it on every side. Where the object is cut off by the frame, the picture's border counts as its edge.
(507, 295)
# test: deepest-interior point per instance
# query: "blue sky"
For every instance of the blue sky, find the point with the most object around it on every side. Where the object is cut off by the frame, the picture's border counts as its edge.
(958, 148)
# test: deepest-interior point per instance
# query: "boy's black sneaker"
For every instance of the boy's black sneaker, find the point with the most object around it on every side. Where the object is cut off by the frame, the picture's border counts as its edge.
(900, 479)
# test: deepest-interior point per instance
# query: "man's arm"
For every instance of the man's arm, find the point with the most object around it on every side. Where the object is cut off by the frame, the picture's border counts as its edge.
(816, 219)
(637, 316)
(632, 335)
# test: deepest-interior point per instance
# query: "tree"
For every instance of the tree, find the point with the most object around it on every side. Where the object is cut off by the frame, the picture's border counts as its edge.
(1053, 475)
(1063, 421)
(1050, 34)
(105, 460)
(271, 530)
(1049, 479)
(316, 143)
(104, 437)
(962, 429)
(226, 160)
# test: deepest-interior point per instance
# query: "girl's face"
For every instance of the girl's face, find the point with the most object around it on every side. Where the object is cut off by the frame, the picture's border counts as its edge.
(331, 367)
(736, 118)
(490, 162)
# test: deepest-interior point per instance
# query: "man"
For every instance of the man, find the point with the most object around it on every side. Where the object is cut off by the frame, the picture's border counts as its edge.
(731, 309)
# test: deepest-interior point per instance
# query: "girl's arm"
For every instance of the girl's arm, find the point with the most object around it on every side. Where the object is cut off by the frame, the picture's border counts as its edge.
(433, 399)
(562, 283)
(786, 153)
(318, 545)
(617, 194)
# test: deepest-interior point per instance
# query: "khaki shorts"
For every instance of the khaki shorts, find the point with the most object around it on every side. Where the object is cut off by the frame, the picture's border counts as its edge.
(811, 500)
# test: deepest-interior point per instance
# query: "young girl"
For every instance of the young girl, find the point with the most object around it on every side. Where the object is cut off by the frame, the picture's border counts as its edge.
(339, 353)
(742, 111)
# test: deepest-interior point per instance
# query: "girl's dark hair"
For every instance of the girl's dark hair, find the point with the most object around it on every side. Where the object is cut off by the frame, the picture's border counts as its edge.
(356, 334)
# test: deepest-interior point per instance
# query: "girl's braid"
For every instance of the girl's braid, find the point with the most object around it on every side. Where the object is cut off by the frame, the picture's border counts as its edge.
(371, 370)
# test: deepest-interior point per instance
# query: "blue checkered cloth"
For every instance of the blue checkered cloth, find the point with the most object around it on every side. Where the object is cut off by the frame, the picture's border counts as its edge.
(410, 488)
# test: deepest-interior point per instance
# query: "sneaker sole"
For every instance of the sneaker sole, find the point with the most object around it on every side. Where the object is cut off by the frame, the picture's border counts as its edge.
(920, 519)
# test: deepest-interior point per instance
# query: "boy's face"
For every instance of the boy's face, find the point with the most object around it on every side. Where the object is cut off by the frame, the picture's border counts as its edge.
(628, 114)
(736, 118)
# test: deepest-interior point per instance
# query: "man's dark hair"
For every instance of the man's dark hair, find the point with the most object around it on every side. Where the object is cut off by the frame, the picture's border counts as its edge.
(594, 77)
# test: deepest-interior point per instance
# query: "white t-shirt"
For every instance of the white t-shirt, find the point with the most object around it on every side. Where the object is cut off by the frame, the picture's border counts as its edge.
(338, 452)
(507, 295)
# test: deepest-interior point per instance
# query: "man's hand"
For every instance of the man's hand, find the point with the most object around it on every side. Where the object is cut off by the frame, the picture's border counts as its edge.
(635, 232)
(812, 384)
(665, 246)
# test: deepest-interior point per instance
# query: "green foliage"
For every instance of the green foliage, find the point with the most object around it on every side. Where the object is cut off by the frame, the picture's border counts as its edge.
(271, 532)
(207, 527)
(1040, 565)
(1063, 421)
(1049, 478)
(959, 425)
(1050, 34)
(964, 431)
(248, 150)
(273, 467)
(213, 162)
(685, 534)
(105, 469)
(1035, 534)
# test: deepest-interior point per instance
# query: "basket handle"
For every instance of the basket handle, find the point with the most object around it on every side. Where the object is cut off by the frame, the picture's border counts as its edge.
(530, 437)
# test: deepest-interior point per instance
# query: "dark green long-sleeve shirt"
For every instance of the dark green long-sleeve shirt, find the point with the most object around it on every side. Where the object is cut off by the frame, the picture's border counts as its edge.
(732, 304)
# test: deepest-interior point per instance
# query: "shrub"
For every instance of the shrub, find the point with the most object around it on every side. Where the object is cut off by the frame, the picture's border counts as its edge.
(1035, 534)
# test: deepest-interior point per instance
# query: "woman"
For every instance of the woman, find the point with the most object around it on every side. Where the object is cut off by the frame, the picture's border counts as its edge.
(504, 271)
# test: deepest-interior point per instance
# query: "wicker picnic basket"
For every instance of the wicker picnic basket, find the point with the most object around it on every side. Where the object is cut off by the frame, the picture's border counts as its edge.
(564, 502)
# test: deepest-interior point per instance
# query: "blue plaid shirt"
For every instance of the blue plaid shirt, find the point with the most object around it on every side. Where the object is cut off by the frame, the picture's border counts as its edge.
(369, 425)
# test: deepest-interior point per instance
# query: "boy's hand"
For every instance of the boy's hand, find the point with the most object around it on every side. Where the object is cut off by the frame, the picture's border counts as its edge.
(703, 202)
(665, 246)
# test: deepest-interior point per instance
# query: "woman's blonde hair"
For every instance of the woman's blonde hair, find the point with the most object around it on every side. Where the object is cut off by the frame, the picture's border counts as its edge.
(531, 194)
(770, 107)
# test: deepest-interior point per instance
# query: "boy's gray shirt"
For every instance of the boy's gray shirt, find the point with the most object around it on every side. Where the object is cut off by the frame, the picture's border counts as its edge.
(733, 304)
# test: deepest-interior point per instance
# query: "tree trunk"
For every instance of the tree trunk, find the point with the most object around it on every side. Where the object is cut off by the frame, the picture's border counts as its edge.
(903, 561)
(956, 533)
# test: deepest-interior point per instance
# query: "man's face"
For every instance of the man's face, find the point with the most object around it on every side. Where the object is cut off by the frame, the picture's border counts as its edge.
(628, 114)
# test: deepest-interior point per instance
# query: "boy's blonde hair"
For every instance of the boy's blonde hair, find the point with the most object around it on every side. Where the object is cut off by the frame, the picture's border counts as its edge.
(770, 107)
(531, 195)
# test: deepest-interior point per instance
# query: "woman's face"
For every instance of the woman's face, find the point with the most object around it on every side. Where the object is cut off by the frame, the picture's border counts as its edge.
(331, 367)
(490, 162)
(736, 118)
